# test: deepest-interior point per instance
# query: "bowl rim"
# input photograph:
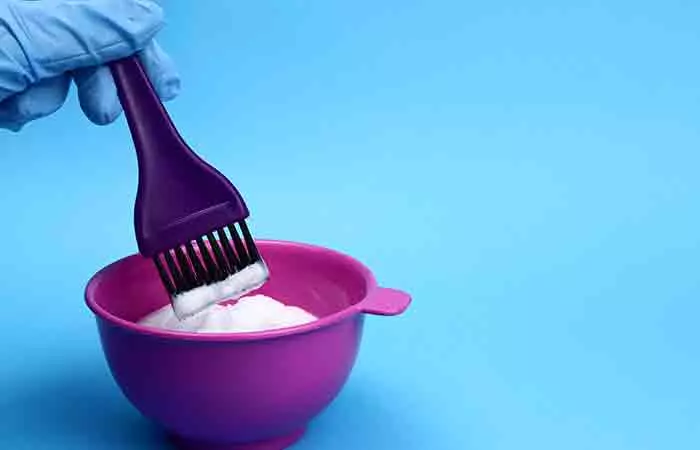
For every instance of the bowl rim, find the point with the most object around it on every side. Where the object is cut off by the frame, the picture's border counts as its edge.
(324, 322)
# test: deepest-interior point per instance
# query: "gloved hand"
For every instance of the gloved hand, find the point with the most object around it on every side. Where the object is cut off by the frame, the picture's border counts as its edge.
(44, 44)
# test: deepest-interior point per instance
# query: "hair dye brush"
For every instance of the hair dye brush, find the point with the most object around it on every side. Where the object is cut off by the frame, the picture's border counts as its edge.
(189, 219)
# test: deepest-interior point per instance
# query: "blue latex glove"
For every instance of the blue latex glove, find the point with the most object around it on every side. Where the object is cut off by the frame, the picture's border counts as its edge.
(44, 44)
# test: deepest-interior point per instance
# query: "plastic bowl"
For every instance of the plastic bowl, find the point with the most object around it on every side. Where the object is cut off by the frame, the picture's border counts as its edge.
(247, 390)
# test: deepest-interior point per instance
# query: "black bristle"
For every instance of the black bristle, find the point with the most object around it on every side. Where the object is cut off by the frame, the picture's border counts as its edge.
(240, 248)
(228, 250)
(218, 255)
(178, 280)
(164, 277)
(185, 268)
(209, 263)
(200, 272)
(249, 242)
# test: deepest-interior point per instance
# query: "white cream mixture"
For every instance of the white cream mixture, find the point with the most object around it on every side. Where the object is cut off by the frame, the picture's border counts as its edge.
(195, 300)
(248, 314)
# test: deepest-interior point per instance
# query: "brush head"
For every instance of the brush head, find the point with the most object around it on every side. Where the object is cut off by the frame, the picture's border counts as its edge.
(207, 270)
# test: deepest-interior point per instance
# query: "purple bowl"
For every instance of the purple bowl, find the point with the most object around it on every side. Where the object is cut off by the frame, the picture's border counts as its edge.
(243, 390)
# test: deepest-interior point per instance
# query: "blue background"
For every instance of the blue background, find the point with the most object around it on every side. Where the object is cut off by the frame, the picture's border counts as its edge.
(528, 170)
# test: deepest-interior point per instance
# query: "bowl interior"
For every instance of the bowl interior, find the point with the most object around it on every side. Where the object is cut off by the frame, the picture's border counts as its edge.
(317, 279)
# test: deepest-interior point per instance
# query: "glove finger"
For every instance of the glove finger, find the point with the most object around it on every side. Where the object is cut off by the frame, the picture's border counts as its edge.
(42, 99)
(49, 38)
(97, 94)
(161, 71)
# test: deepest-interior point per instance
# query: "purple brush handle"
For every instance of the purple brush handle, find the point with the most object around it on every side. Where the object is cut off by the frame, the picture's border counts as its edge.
(180, 197)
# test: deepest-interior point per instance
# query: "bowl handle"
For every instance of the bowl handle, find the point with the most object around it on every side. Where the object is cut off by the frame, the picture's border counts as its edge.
(385, 302)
